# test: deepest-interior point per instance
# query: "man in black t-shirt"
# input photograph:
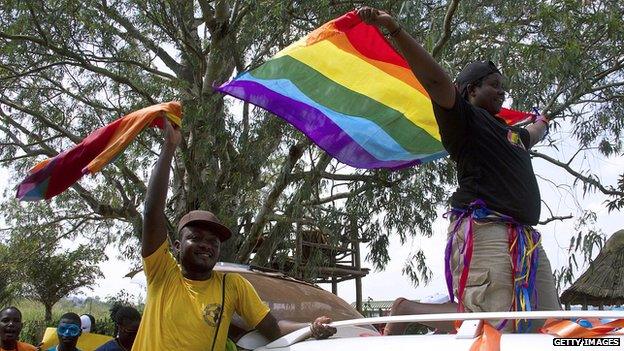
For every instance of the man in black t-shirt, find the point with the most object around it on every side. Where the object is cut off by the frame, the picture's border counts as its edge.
(494, 259)
(493, 163)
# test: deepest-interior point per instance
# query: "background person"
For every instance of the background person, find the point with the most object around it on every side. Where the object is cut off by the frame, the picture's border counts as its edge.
(68, 331)
(87, 323)
(10, 328)
(127, 320)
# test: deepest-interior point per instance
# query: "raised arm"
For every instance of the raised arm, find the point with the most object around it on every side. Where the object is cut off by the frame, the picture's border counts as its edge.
(154, 221)
(430, 74)
(538, 129)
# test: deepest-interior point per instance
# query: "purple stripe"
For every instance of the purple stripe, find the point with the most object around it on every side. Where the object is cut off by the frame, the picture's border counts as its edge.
(313, 123)
(447, 267)
(35, 186)
(534, 266)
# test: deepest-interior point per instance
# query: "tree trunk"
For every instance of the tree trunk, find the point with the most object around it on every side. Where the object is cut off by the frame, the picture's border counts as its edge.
(48, 313)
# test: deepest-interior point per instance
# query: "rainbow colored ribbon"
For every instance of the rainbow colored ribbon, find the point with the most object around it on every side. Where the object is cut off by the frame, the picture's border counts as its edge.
(523, 242)
(54, 175)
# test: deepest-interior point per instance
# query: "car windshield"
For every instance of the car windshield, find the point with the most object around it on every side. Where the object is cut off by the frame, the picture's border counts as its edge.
(299, 302)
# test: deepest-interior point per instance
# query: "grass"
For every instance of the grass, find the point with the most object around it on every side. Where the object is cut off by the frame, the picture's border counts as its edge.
(34, 311)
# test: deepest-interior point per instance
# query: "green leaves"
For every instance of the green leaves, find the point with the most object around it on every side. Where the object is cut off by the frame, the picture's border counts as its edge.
(68, 67)
(41, 269)
(587, 242)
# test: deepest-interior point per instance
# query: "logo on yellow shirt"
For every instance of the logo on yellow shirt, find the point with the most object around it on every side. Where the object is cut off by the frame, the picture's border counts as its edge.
(211, 314)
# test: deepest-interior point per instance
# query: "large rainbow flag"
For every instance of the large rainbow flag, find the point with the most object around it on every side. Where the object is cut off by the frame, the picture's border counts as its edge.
(346, 88)
(54, 175)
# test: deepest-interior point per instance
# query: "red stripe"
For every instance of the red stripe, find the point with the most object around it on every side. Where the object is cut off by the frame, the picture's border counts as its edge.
(512, 117)
(466, 263)
(368, 40)
(347, 21)
(68, 166)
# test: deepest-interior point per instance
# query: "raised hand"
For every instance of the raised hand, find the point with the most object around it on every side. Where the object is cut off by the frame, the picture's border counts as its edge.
(378, 18)
(173, 136)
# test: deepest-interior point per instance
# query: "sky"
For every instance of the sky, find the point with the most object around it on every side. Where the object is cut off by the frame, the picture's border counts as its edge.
(555, 235)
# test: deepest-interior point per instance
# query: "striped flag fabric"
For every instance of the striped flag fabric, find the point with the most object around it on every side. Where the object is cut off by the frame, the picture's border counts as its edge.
(347, 89)
(54, 175)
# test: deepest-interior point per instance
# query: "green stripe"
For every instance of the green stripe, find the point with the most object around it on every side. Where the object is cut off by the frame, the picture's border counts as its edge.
(344, 100)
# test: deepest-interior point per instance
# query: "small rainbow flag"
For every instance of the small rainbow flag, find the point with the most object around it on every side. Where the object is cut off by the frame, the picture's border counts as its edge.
(346, 88)
(52, 176)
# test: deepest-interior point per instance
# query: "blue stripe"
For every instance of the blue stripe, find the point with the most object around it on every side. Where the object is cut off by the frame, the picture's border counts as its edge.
(367, 134)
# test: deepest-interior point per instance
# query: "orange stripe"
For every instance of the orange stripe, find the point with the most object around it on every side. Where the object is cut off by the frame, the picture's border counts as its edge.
(39, 166)
(128, 129)
(319, 34)
(569, 329)
(323, 32)
(398, 72)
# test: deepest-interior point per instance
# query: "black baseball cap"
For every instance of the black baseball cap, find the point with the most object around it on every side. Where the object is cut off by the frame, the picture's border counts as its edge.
(473, 72)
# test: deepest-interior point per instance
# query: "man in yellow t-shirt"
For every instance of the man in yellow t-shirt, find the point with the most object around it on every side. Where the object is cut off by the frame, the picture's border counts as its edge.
(189, 306)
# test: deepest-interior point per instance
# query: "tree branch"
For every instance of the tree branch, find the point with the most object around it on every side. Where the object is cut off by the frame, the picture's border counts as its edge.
(333, 176)
(555, 218)
(584, 179)
(338, 196)
(80, 61)
(280, 184)
(74, 138)
(169, 61)
(619, 64)
(446, 28)
(80, 98)
(34, 70)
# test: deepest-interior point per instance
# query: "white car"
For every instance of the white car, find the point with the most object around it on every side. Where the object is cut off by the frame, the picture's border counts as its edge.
(299, 301)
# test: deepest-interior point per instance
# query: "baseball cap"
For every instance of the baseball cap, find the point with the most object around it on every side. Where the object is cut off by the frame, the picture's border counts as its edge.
(473, 72)
(209, 220)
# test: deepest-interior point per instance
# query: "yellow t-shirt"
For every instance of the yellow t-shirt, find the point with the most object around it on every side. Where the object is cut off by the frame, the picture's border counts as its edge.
(181, 314)
(22, 346)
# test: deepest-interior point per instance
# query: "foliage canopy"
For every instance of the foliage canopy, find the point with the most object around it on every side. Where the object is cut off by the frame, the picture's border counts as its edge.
(68, 67)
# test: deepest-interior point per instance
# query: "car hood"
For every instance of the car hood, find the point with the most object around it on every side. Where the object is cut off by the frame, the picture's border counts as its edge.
(509, 342)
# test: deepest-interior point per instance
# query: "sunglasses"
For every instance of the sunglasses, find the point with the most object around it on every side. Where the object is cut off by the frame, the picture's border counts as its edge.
(68, 330)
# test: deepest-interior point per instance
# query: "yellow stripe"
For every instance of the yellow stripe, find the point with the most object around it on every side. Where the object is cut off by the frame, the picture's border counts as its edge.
(299, 44)
(399, 72)
(364, 78)
(174, 119)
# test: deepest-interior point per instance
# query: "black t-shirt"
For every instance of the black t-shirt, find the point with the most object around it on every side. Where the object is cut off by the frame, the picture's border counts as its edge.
(493, 163)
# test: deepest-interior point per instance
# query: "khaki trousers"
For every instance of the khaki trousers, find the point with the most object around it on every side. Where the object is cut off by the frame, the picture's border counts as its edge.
(489, 287)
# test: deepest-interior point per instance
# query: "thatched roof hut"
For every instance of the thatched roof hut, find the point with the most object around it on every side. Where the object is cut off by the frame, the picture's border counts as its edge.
(602, 284)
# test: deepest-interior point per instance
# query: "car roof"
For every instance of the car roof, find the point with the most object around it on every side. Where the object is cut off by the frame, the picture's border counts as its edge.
(257, 270)
(289, 298)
